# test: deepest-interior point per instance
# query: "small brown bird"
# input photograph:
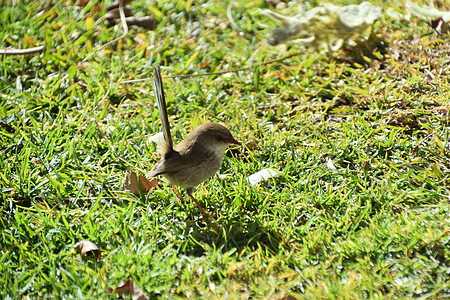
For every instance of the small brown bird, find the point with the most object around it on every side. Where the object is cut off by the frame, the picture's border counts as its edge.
(197, 157)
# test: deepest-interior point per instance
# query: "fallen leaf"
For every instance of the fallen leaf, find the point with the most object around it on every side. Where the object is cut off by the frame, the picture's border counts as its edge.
(264, 174)
(128, 287)
(366, 165)
(288, 297)
(88, 249)
(136, 186)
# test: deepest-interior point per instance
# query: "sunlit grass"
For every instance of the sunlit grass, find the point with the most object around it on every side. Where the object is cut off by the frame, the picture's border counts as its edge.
(360, 209)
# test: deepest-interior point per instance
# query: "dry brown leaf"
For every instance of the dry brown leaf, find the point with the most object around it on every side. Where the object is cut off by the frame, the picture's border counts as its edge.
(128, 287)
(136, 186)
(366, 165)
(88, 249)
(288, 297)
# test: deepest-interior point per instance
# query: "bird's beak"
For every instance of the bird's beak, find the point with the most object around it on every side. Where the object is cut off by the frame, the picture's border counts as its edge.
(233, 141)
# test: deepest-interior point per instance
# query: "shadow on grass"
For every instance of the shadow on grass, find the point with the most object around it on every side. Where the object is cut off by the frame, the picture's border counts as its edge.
(227, 234)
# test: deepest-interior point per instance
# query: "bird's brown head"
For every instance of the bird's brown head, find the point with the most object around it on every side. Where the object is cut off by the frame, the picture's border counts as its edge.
(209, 137)
(216, 133)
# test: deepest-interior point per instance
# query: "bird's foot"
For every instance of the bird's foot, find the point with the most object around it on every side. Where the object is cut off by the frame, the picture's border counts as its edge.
(178, 194)
(206, 214)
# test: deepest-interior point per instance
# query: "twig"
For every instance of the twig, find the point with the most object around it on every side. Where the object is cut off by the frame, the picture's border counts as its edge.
(22, 51)
(215, 73)
(125, 31)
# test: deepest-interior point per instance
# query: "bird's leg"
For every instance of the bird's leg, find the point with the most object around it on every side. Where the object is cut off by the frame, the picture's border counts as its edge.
(178, 194)
(204, 211)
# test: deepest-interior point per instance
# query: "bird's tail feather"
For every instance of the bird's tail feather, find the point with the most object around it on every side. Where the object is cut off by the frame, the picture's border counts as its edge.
(159, 92)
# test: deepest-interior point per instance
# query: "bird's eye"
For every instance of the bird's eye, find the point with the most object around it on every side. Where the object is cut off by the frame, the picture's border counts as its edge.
(219, 138)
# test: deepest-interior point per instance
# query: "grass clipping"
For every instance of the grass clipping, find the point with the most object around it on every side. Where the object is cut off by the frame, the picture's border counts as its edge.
(327, 26)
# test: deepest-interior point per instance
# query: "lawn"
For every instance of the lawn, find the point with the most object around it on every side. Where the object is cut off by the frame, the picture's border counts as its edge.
(360, 139)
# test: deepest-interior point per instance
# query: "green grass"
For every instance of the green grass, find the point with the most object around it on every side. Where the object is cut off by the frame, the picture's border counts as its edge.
(377, 227)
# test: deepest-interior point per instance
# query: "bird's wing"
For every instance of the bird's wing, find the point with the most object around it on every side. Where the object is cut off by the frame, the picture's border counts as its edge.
(159, 92)
(173, 164)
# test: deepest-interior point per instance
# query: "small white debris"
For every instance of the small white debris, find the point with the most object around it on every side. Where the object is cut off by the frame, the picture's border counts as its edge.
(330, 165)
(264, 174)
(223, 176)
(429, 74)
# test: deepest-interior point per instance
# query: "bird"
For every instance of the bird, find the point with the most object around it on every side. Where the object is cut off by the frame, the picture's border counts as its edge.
(196, 158)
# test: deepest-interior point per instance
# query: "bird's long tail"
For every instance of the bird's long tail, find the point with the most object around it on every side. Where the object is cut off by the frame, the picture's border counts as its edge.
(159, 92)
